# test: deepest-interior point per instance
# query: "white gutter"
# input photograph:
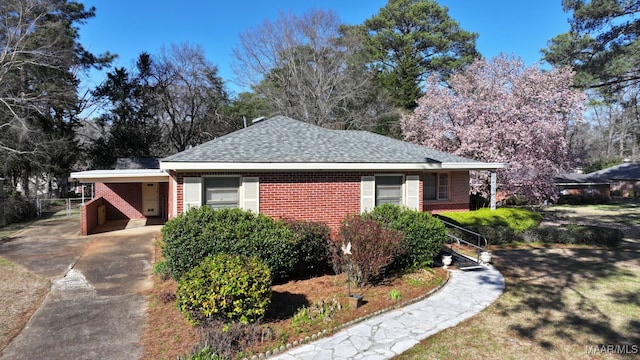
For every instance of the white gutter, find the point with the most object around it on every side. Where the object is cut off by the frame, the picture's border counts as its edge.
(221, 166)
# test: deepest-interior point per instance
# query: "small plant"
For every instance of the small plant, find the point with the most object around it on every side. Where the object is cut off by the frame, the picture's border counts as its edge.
(395, 295)
(228, 341)
(316, 312)
(161, 268)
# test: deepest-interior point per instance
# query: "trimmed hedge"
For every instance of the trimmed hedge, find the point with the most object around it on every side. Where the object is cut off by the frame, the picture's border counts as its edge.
(575, 234)
(201, 232)
(423, 234)
(225, 287)
(517, 219)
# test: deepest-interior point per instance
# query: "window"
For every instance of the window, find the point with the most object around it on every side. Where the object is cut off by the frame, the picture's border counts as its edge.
(222, 192)
(389, 190)
(436, 186)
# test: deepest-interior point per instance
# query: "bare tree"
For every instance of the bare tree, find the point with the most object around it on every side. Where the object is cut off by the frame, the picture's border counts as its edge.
(191, 95)
(39, 58)
(310, 70)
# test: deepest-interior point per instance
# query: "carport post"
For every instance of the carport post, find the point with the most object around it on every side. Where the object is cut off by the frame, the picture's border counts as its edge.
(493, 190)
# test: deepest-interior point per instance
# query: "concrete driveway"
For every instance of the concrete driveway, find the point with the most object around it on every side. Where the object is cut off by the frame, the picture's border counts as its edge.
(95, 308)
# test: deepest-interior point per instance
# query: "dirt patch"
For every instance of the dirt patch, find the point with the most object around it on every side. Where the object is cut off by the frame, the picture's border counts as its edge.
(21, 293)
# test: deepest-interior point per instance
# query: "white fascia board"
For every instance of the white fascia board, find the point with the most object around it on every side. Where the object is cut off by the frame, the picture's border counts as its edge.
(474, 166)
(121, 176)
(226, 166)
(204, 166)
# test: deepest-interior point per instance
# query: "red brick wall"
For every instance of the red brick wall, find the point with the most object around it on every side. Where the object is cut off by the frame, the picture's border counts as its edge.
(323, 196)
(90, 215)
(458, 193)
(123, 200)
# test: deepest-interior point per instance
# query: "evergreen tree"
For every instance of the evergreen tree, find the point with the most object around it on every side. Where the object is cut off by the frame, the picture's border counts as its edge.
(411, 39)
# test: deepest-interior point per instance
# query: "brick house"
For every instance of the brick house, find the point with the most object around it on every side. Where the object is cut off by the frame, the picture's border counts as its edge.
(289, 169)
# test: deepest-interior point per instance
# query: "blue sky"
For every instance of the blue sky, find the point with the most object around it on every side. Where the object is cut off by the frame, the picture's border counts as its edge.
(129, 27)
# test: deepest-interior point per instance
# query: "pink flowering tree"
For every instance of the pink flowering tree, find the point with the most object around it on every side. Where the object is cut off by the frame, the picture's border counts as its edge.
(502, 111)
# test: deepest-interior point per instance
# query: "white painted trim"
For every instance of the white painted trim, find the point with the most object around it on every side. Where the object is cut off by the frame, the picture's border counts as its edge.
(121, 176)
(222, 166)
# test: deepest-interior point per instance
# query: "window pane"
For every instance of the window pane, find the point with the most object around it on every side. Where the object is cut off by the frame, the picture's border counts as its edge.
(430, 186)
(389, 190)
(222, 192)
(443, 187)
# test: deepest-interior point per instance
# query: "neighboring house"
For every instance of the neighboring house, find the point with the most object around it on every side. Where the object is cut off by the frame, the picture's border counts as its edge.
(624, 179)
(582, 185)
(289, 169)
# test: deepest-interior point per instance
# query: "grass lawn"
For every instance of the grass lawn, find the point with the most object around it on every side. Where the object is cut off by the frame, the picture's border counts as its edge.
(559, 303)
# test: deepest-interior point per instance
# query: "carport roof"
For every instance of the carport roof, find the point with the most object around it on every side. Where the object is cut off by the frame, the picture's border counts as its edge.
(121, 176)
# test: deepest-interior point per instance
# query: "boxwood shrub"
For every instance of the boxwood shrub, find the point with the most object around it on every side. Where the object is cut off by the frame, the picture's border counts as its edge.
(423, 234)
(223, 286)
(517, 219)
(312, 247)
(200, 232)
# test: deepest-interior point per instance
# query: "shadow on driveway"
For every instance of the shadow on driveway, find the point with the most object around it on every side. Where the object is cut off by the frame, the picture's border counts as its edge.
(95, 309)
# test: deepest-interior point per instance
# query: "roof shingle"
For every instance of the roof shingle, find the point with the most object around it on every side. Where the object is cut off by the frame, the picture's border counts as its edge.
(284, 140)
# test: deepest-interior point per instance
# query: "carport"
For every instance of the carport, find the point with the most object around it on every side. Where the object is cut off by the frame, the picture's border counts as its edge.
(130, 194)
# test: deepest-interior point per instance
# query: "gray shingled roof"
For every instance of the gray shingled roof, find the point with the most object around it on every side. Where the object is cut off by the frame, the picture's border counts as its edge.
(137, 163)
(284, 140)
(626, 171)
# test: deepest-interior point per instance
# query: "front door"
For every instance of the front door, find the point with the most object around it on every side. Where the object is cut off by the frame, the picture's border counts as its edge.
(150, 199)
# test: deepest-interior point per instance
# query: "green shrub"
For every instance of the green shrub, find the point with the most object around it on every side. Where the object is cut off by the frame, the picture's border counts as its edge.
(203, 231)
(373, 248)
(517, 219)
(225, 287)
(423, 234)
(312, 247)
(575, 234)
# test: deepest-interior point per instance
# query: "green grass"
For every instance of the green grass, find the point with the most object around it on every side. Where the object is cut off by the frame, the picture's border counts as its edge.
(557, 302)
(518, 219)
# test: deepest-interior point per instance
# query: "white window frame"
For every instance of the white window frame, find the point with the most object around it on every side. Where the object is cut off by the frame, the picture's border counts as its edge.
(438, 185)
(410, 190)
(238, 189)
(402, 187)
(194, 192)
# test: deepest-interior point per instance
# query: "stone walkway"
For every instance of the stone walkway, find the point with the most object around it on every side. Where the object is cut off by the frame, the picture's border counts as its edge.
(390, 334)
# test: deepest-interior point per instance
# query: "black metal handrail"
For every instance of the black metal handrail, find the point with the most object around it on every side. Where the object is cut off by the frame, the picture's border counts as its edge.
(481, 240)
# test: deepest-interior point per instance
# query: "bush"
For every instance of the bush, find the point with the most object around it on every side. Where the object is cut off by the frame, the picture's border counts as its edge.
(423, 234)
(17, 208)
(225, 287)
(312, 247)
(203, 231)
(373, 249)
(221, 342)
(575, 234)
